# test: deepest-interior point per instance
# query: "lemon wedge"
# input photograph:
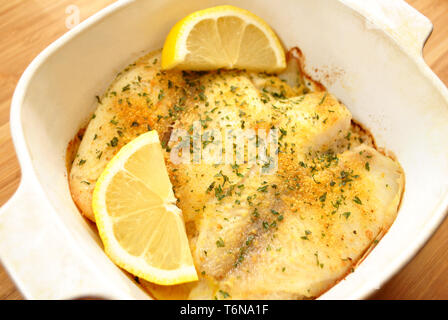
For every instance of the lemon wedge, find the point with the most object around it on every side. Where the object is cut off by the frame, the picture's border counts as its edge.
(141, 227)
(223, 37)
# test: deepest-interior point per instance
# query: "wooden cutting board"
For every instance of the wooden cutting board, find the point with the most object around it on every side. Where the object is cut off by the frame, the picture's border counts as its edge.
(27, 27)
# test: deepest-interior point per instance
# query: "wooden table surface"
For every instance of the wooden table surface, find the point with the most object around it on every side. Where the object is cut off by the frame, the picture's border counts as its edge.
(28, 26)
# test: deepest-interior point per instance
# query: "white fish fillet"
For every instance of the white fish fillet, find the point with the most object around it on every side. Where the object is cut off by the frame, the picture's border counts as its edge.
(287, 235)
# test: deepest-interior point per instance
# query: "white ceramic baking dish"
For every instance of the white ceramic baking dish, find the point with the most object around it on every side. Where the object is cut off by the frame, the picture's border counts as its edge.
(368, 53)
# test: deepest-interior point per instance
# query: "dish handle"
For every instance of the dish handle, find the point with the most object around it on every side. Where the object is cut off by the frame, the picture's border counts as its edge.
(409, 28)
(39, 255)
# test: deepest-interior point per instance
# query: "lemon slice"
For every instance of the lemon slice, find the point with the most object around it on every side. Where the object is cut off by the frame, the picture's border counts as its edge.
(223, 37)
(141, 227)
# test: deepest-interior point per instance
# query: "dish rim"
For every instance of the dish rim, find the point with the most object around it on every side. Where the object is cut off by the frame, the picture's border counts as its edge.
(28, 169)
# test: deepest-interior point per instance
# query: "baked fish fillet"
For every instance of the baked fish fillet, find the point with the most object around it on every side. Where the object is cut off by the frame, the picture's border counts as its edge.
(288, 233)
(323, 231)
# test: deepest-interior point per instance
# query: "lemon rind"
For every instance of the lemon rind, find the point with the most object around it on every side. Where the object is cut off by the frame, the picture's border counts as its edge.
(135, 265)
(174, 52)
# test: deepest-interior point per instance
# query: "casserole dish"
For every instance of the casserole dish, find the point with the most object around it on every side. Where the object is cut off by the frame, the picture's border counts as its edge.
(367, 53)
